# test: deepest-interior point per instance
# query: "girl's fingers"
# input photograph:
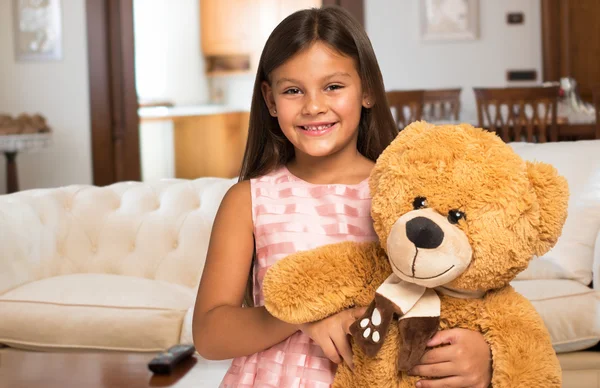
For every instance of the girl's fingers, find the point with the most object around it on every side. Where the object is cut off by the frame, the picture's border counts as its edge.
(340, 340)
(352, 316)
(448, 336)
(444, 369)
(438, 355)
(358, 312)
(330, 350)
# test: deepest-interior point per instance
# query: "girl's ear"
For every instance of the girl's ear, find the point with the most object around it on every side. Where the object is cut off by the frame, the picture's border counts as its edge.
(267, 93)
(367, 100)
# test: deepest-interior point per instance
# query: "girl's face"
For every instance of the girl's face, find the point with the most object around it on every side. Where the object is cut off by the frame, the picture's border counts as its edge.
(317, 98)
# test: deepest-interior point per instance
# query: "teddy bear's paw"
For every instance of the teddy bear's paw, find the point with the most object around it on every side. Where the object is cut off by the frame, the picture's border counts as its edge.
(369, 330)
(370, 326)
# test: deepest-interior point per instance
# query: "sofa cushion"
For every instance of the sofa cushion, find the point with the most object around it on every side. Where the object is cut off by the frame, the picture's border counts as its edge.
(569, 309)
(580, 369)
(579, 163)
(100, 311)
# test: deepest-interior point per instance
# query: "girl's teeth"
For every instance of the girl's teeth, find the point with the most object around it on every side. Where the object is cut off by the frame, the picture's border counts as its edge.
(318, 128)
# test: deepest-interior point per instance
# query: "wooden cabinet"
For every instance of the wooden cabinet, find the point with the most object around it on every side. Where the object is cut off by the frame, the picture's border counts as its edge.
(237, 27)
(210, 145)
(226, 26)
(288, 7)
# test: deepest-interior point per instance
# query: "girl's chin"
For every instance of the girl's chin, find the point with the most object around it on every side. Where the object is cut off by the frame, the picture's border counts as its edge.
(320, 151)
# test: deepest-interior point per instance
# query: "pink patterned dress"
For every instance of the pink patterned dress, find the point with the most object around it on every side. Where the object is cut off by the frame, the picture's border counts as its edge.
(292, 215)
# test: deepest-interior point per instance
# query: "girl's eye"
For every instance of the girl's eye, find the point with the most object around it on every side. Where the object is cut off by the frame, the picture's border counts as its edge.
(334, 87)
(292, 91)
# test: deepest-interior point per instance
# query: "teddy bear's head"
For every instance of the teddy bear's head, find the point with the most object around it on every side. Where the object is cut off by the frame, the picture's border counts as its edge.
(454, 205)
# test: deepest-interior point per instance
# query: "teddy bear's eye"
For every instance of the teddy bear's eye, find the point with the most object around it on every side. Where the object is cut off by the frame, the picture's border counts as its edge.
(420, 203)
(455, 215)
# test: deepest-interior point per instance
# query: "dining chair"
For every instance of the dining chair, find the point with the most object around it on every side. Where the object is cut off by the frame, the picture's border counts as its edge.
(407, 106)
(520, 113)
(442, 105)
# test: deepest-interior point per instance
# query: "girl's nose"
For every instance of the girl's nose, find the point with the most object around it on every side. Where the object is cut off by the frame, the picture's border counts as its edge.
(314, 105)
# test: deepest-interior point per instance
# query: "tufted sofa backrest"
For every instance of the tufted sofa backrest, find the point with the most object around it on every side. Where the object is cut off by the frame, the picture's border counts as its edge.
(158, 231)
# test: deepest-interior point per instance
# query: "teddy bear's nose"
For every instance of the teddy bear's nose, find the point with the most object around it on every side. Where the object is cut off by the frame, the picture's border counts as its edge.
(424, 233)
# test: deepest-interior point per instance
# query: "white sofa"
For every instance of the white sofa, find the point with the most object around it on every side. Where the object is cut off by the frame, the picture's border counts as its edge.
(559, 283)
(112, 268)
(117, 267)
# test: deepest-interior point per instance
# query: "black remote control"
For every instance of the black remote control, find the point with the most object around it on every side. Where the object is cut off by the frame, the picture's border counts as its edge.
(165, 362)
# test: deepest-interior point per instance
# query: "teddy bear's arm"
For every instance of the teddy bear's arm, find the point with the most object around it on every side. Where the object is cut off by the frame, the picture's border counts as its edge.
(521, 347)
(311, 285)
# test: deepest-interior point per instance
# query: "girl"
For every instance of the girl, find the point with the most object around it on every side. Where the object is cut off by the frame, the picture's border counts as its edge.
(319, 119)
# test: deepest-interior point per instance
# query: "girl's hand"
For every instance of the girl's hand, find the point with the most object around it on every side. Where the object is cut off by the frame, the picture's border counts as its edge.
(466, 362)
(331, 334)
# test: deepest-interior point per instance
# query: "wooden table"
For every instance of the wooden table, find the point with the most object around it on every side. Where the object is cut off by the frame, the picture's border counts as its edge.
(566, 131)
(24, 369)
(578, 131)
(11, 145)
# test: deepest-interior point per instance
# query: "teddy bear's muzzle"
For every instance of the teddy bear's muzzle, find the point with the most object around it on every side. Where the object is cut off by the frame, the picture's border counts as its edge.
(424, 248)
(424, 233)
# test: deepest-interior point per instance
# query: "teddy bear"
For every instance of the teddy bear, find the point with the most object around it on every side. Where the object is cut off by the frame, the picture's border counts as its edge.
(458, 214)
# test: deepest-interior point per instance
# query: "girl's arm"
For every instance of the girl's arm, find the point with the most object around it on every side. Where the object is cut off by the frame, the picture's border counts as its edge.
(221, 328)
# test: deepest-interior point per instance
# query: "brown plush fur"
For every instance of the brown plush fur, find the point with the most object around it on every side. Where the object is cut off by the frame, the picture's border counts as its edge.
(514, 210)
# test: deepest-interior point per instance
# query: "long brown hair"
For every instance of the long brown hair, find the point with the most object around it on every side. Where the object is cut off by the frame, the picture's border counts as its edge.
(267, 147)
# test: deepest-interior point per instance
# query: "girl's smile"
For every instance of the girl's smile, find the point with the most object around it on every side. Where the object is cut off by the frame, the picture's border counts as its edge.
(318, 128)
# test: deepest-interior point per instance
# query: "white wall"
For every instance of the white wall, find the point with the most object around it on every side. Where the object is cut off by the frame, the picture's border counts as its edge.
(236, 89)
(59, 91)
(157, 149)
(408, 63)
(169, 61)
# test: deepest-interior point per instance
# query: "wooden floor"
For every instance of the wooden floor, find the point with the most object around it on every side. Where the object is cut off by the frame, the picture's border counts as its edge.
(25, 369)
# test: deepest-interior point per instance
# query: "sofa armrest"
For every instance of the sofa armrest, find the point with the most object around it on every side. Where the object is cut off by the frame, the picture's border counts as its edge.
(14, 263)
(28, 230)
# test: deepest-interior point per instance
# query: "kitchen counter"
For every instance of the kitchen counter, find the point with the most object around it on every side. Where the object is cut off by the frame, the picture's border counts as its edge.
(169, 113)
(192, 141)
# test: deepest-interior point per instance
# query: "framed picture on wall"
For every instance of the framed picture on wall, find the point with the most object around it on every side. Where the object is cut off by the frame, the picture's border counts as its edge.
(37, 30)
(447, 20)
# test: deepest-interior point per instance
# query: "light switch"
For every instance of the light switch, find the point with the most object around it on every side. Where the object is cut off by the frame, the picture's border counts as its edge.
(515, 18)
(521, 75)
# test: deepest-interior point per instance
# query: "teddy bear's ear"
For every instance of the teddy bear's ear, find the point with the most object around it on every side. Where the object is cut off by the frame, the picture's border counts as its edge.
(397, 145)
(552, 193)
(410, 131)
